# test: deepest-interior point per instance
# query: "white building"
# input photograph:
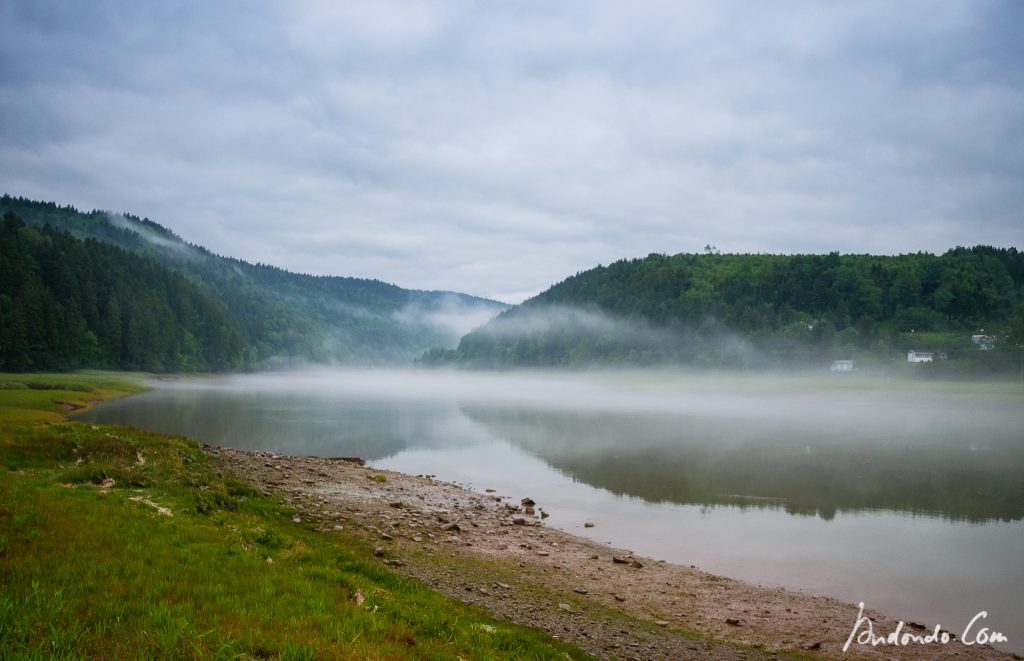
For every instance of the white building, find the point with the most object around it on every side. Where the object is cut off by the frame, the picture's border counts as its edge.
(841, 366)
(920, 356)
(984, 342)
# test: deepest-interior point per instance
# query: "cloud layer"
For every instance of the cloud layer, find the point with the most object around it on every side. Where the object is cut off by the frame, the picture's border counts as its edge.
(497, 148)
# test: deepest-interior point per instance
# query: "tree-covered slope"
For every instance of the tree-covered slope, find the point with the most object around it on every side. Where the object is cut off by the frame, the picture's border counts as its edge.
(66, 303)
(279, 315)
(746, 310)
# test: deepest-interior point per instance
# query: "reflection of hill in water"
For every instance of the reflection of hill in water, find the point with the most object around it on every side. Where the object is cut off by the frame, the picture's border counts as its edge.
(923, 469)
(959, 457)
(274, 422)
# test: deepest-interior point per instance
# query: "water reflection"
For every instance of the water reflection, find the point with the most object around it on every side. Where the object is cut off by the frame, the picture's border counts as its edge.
(953, 454)
(294, 423)
(933, 469)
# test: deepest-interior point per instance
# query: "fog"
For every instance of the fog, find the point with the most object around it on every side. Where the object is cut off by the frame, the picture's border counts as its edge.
(566, 335)
(537, 320)
(175, 246)
(814, 400)
(452, 315)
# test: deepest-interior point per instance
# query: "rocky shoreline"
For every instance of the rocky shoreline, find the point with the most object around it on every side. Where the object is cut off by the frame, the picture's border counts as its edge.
(494, 550)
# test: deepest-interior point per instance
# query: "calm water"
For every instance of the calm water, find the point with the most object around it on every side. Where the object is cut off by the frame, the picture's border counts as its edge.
(908, 496)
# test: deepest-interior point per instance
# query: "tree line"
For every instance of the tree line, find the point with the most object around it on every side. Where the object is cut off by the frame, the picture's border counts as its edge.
(277, 316)
(67, 304)
(753, 309)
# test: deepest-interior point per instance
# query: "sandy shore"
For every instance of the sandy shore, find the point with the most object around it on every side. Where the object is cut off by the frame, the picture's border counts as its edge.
(489, 549)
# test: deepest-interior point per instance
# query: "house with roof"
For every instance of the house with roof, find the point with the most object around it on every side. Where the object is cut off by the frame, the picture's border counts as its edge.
(920, 356)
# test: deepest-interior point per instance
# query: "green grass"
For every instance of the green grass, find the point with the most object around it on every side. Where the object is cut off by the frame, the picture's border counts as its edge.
(94, 571)
(48, 397)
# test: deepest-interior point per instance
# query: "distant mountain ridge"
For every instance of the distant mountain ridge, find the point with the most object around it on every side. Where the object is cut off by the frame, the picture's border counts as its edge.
(762, 310)
(281, 316)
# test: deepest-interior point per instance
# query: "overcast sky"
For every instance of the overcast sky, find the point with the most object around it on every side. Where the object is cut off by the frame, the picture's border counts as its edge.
(498, 147)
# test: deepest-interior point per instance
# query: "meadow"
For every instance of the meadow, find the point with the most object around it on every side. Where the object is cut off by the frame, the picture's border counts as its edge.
(117, 543)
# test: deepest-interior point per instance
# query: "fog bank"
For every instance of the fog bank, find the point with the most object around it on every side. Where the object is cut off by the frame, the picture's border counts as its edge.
(808, 399)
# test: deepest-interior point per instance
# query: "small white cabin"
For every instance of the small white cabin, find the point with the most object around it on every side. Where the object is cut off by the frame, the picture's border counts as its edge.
(920, 356)
(841, 366)
(984, 342)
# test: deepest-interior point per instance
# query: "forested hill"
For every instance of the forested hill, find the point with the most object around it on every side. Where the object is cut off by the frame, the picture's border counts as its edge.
(277, 315)
(67, 304)
(763, 310)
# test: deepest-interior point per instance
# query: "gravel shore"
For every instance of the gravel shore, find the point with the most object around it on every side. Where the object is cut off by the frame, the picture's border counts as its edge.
(495, 550)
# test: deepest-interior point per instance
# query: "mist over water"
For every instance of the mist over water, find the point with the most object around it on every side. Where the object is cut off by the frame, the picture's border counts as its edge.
(908, 495)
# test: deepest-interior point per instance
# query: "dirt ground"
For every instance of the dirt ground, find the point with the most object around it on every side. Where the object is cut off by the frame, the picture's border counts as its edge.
(494, 550)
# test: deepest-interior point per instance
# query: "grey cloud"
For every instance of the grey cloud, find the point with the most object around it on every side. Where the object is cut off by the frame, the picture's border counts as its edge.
(496, 149)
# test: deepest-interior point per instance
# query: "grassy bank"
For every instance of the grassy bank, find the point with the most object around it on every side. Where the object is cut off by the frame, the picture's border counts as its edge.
(117, 543)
